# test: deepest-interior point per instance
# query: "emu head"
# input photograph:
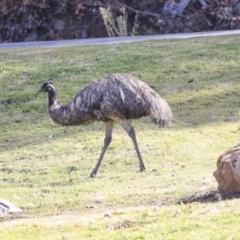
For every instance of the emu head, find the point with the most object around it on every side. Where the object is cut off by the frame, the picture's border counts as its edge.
(48, 87)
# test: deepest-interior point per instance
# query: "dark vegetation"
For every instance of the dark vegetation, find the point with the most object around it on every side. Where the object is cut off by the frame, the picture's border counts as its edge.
(30, 20)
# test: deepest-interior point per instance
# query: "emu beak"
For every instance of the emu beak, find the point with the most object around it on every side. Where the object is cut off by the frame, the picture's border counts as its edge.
(40, 90)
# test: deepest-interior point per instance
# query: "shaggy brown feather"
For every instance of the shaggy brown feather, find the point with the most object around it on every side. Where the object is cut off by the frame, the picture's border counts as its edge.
(115, 98)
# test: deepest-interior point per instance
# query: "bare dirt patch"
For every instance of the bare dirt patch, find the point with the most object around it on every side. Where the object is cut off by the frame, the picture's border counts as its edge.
(94, 214)
(70, 217)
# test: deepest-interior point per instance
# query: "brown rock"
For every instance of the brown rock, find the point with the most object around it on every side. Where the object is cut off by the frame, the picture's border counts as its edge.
(228, 172)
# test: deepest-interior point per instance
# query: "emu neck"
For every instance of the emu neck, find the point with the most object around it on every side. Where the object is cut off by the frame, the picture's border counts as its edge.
(55, 108)
(52, 98)
(63, 115)
(69, 114)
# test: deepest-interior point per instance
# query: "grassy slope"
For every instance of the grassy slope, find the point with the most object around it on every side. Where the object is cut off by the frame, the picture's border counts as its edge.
(44, 167)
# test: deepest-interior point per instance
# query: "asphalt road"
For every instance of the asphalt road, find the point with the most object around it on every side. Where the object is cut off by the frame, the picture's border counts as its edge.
(113, 40)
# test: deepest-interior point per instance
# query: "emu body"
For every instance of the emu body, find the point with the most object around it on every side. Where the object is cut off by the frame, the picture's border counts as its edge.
(115, 98)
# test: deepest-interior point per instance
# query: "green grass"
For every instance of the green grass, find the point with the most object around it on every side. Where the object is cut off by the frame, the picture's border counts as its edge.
(44, 167)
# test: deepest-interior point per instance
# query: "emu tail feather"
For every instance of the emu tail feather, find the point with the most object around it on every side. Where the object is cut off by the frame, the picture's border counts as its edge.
(161, 113)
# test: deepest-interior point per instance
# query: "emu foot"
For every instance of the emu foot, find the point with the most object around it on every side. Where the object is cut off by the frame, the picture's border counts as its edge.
(92, 175)
(142, 169)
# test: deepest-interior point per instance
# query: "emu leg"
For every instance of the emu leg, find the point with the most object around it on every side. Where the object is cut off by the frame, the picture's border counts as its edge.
(107, 141)
(131, 133)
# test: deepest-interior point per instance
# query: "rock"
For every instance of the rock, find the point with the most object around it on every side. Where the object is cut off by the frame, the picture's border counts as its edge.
(228, 172)
(175, 7)
(7, 207)
(59, 25)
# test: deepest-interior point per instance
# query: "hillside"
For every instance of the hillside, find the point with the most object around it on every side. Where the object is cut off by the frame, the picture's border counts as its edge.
(28, 20)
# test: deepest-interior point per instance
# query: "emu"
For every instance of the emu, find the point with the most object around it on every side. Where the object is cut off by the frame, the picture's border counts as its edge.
(114, 98)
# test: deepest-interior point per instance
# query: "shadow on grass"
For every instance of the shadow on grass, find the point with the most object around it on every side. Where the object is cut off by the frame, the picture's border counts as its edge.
(207, 197)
